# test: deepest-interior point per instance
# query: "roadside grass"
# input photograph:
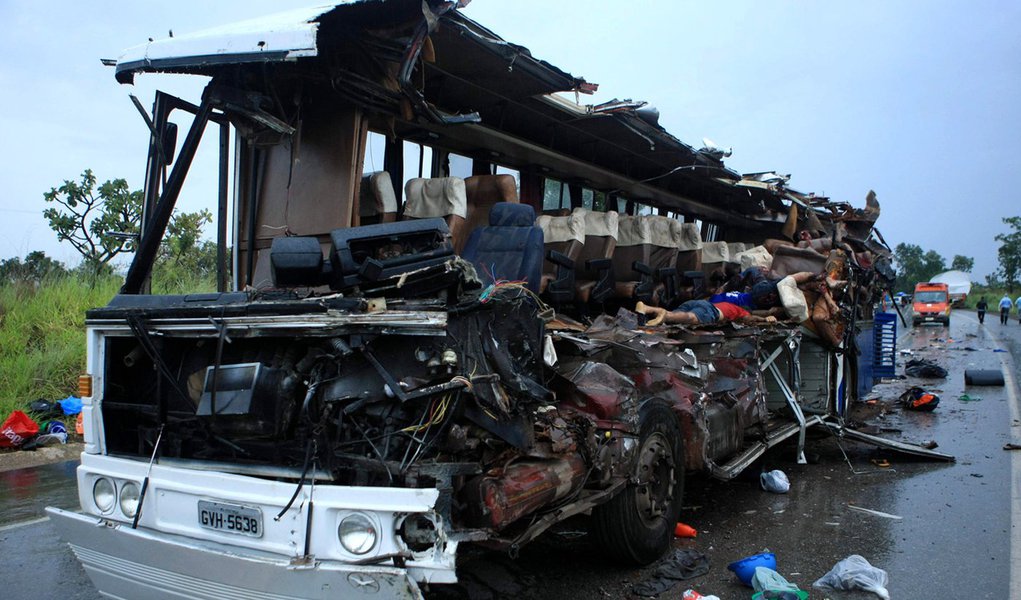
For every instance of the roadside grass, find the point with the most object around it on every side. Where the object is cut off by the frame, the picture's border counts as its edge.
(42, 331)
(991, 294)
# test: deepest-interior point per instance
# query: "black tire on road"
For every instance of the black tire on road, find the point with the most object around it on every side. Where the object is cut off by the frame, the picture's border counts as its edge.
(983, 377)
(637, 525)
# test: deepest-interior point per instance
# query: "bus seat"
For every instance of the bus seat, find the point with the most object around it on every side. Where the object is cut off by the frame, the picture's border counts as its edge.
(714, 256)
(510, 248)
(668, 238)
(594, 270)
(632, 276)
(377, 202)
(689, 251)
(482, 192)
(440, 197)
(564, 238)
(735, 248)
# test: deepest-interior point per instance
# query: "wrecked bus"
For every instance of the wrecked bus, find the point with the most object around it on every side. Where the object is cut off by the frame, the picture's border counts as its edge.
(424, 331)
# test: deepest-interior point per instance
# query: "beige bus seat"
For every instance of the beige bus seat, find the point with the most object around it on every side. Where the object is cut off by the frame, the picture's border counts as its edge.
(563, 236)
(482, 192)
(377, 202)
(442, 197)
(669, 237)
(735, 248)
(634, 244)
(714, 256)
(594, 267)
(689, 248)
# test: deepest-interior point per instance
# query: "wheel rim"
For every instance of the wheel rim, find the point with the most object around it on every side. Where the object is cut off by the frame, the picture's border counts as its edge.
(655, 487)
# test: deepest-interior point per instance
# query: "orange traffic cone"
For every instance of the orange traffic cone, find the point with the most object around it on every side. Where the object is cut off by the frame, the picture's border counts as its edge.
(685, 531)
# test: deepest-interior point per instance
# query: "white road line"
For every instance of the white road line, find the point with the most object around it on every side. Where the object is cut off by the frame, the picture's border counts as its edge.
(1010, 383)
(23, 524)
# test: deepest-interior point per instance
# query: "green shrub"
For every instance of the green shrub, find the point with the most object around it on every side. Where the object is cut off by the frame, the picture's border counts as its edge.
(42, 331)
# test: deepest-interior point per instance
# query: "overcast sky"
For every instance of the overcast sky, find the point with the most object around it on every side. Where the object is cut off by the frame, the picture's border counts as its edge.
(918, 100)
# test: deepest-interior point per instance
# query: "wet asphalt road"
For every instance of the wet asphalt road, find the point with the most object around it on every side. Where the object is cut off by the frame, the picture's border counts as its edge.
(952, 538)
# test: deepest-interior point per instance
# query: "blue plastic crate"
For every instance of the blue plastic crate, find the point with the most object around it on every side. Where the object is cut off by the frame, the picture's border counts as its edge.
(884, 353)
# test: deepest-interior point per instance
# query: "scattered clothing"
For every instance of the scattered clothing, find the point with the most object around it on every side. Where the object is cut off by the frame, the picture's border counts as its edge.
(681, 565)
(917, 398)
(920, 367)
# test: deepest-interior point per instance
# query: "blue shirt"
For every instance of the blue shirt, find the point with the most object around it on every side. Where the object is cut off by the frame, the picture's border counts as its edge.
(739, 298)
(1005, 302)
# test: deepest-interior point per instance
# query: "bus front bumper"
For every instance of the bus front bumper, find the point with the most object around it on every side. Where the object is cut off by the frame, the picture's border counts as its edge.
(135, 563)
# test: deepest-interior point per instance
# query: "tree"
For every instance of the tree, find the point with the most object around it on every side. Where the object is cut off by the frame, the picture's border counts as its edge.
(962, 263)
(915, 264)
(184, 248)
(86, 217)
(1009, 252)
(35, 268)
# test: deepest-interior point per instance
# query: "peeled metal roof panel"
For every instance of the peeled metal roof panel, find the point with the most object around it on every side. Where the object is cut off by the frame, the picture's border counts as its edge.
(282, 36)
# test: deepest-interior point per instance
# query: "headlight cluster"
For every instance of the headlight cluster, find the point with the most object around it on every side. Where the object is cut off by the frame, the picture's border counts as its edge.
(104, 494)
(357, 534)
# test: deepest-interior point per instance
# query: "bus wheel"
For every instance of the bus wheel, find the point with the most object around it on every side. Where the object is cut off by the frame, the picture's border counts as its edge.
(636, 526)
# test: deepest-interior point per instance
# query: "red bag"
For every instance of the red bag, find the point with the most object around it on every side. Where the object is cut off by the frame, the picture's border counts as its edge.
(17, 429)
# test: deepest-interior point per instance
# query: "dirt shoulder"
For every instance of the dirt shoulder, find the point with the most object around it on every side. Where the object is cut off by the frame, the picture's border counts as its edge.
(21, 459)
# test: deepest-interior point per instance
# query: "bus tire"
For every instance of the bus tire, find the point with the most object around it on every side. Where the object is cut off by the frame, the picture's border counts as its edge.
(636, 526)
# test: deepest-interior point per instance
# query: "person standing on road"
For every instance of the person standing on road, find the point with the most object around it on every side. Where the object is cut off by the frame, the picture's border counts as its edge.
(1017, 303)
(981, 308)
(1005, 306)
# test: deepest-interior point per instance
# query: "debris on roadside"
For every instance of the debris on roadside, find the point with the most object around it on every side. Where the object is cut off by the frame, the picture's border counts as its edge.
(694, 595)
(44, 408)
(855, 573)
(968, 398)
(769, 584)
(983, 377)
(875, 513)
(919, 399)
(1011, 446)
(683, 530)
(775, 481)
(676, 567)
(924, 368)
(745, 568)
(18, 429)
(71, 405)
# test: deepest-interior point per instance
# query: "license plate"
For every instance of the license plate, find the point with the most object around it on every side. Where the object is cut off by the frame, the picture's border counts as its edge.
(231, 518)
(929, 318)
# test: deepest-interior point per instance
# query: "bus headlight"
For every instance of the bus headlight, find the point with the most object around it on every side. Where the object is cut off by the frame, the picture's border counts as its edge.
(104, 494)
(129, 499)
(357, 534)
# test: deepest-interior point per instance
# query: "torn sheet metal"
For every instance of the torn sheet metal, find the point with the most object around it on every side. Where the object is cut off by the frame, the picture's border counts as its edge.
(283, 36)
(875, 440)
